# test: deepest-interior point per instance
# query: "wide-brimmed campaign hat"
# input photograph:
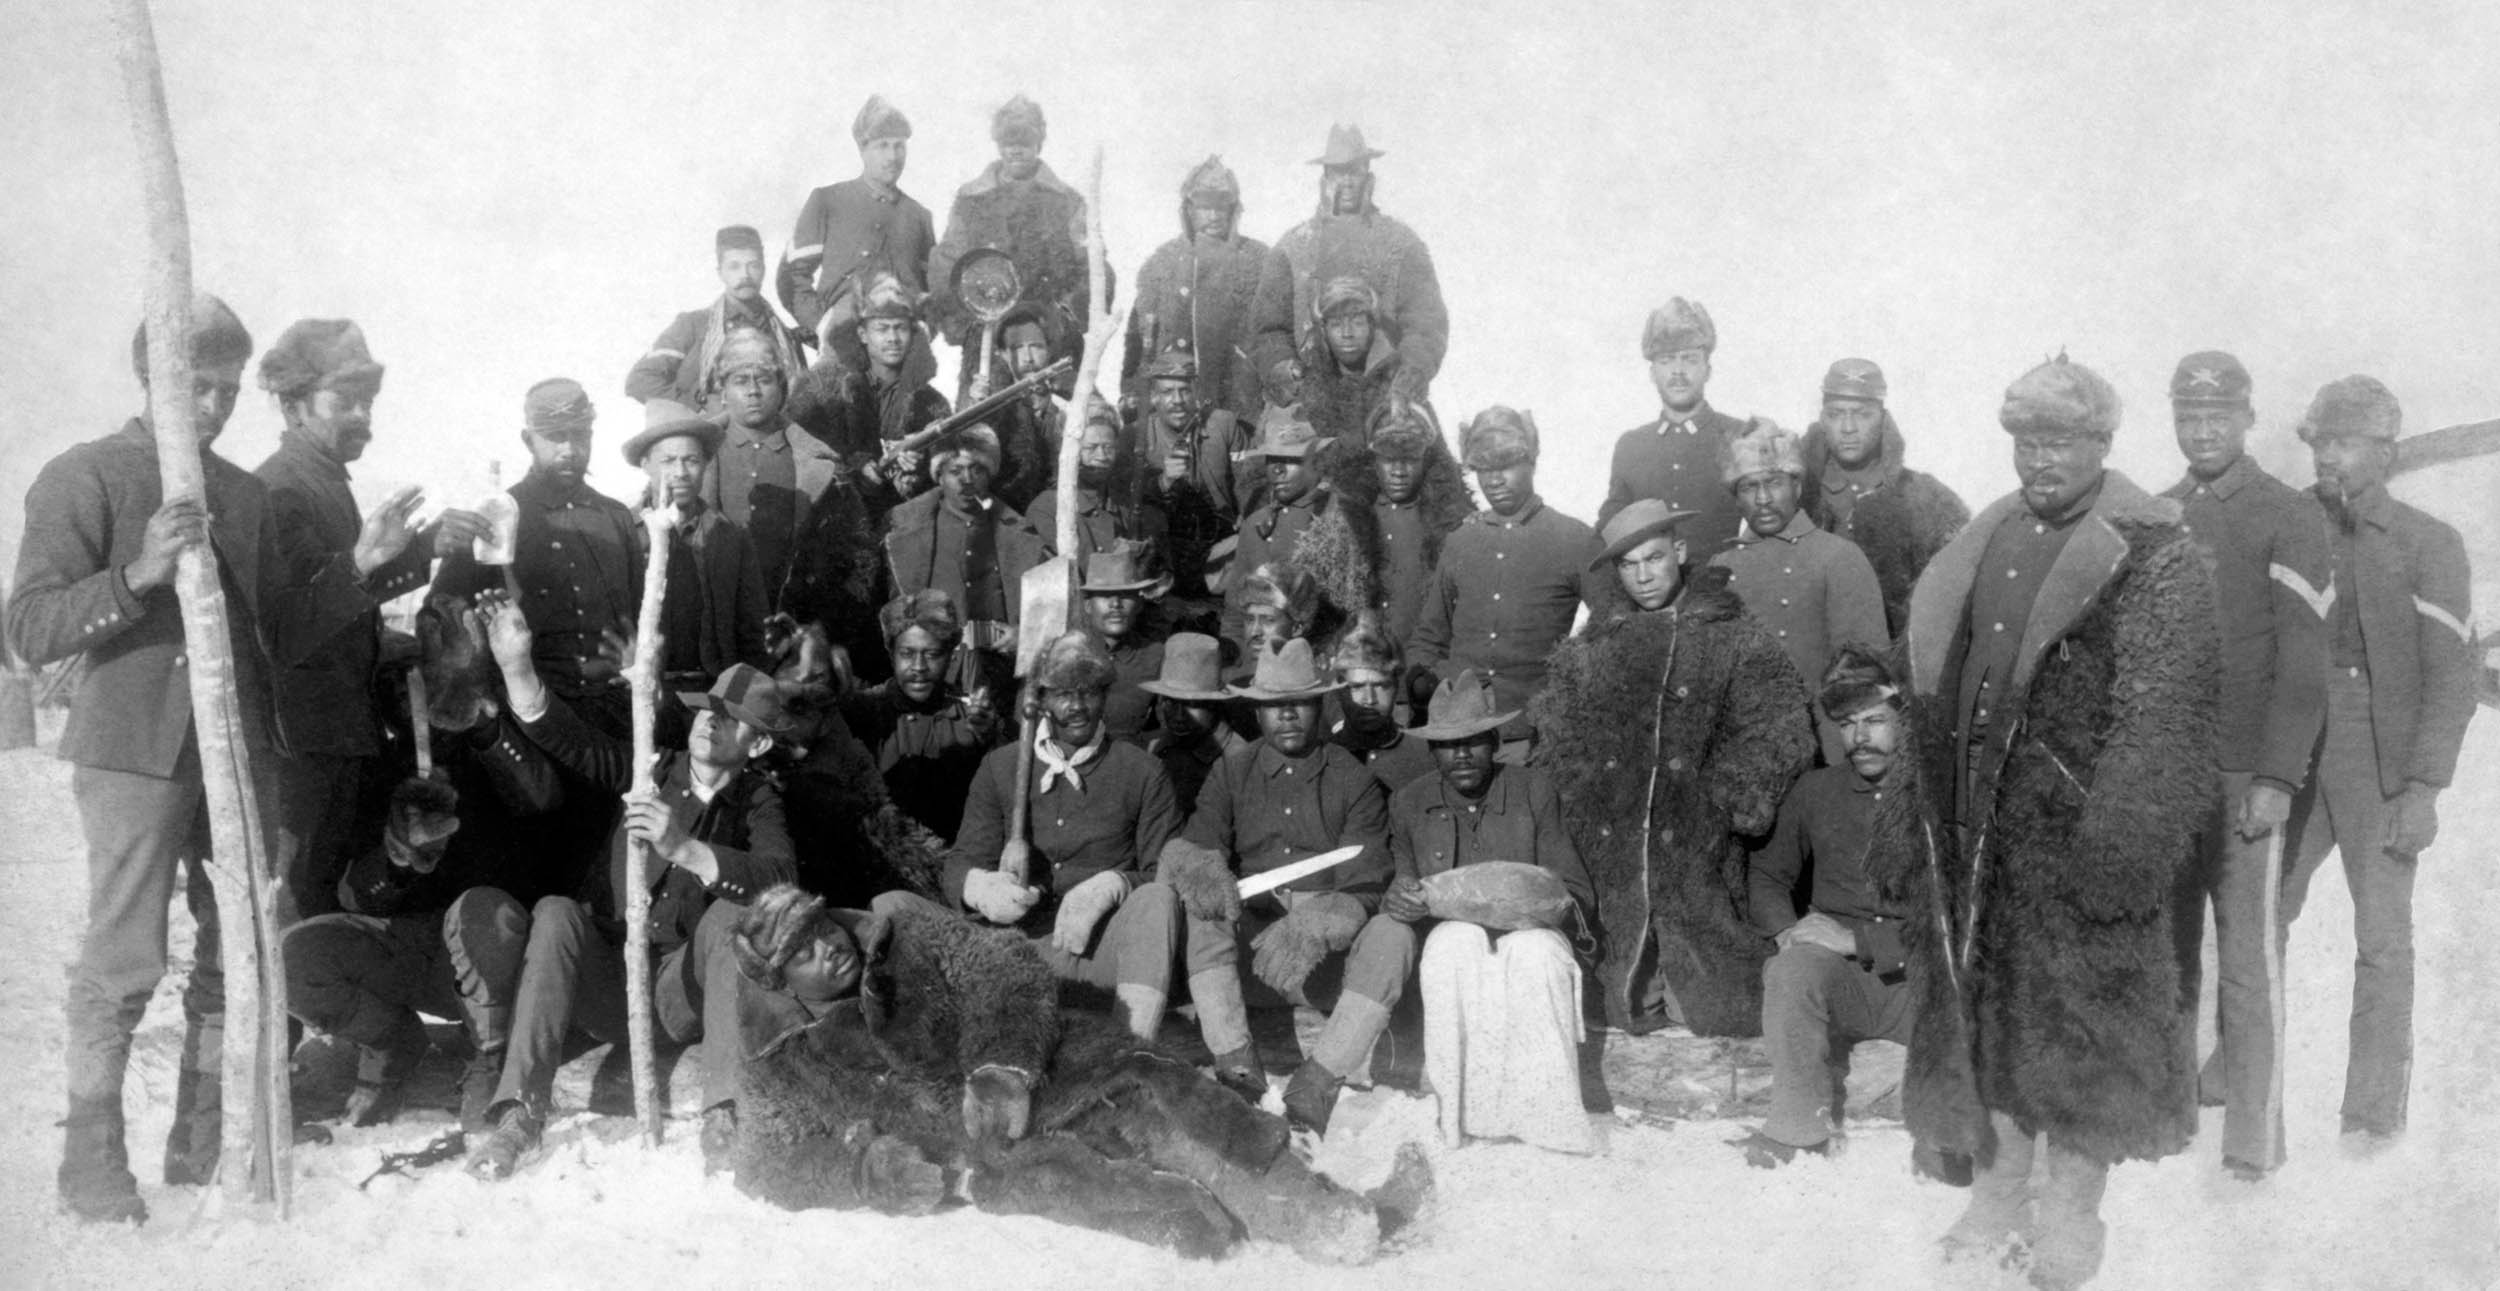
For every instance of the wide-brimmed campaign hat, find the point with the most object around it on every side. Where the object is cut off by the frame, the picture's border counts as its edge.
(667, 419)
(1643, 520)
(745, 693)
(1193, 670)
(1288, 674)
(1462, 708)
(1346, 148)
(1127, 565)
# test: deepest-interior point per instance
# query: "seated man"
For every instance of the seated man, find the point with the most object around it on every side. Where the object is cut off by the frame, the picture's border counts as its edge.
(1837, 978)
(853, 840)
(1078, 888)
(1279, 603)
(1122, 586)
(1502, 1026)
(1347, 363)
(683, 364)
(1190, 735)
(1317, 940)
(1204, 469)
(928, 729)
(717, 831)
(1368, 662)
(1112, 503)
(712, 612)
(961, 540)
(895, 1062)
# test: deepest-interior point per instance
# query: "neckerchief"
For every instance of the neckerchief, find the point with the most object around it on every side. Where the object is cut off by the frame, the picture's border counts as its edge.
(1056, 765)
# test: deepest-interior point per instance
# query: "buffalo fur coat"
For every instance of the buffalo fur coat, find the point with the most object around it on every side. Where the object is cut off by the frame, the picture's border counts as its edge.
(1900, 526)
(861, 1106)
(2069, 1013)
(1672, 737)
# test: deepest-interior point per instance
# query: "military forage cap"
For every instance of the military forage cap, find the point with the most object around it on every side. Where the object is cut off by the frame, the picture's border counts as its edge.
(1762, 447)
(1018, 120)
(1677, 326)
(737, 237)
(2210, 377)
(1212, 178)
(317, 352)
(1854, 379)
(1498, 437)
(556, 404)
(2060, 395)
(2358, 407)
(878, 119)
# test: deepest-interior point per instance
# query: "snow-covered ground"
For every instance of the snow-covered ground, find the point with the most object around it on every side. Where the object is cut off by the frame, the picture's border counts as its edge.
(1665, 1206)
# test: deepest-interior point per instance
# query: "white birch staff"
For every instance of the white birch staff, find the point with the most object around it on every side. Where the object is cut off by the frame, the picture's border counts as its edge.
(420, 727)
(260, 1130)
(644, 677)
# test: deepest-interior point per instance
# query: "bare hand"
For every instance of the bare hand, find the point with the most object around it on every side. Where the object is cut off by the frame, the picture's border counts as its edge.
(2262, 810)
(385, 533)
(1404, 901)
(902, 463)
(649, 820)
(455, 530)
(177, 526)
(1176, 466)
(978, 705)
(508, 635)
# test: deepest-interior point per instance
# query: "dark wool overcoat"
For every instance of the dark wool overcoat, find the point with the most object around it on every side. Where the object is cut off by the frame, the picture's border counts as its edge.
(1900, 525)
(2070, 1019)
(1672, 737)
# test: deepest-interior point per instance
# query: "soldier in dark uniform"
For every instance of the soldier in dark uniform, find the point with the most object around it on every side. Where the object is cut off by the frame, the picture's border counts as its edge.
(959, 540)
(783, 487)
(1122, 585)
(2266, 542)
(1349, 236)
(1202, 466)
(928, 730)
(712, 607)
(326, 381)
(2399, 690)
(862, 412)
(1856, 486)
(95, 576)
(1675, 458)
(1349, 363)
(1112, 503)
(1016, 205)
(1423, 499)
(1194, 294)
(683, 364)
(1370, 666)
(1191, 735)
(852, 231)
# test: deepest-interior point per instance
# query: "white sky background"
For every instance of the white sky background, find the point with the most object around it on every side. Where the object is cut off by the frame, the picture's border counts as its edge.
(502, 192)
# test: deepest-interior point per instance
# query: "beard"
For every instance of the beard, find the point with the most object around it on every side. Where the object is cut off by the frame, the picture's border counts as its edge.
(1371, 725)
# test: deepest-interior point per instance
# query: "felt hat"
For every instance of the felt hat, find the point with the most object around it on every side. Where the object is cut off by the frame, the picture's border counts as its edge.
(1285, 432)
(1761, 447)
(1854, 379)
(317, 352)
(1341, 293)
(2060, 395)
(1498, 437)
(2209, 378)
(1288, 674)
(1463, 707)
(1218, 568)
(1637, 523)
(556, 404)
(1193, 670)
(878, 119)
(1346, 148)
(1127, 565)
(1677, 326)
(1174, 364)
(2357, 407)
(1019, 120)
(1212, 178)
(1075, 661)
(667, 419)
(746, 693)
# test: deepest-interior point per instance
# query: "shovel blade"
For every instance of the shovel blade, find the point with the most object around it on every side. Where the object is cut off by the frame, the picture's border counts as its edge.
(1042, 609)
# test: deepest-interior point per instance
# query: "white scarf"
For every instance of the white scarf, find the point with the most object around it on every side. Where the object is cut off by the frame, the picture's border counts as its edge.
(1054, 765)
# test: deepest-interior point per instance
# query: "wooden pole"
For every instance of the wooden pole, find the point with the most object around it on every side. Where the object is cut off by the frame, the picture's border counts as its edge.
(645, 681)
(259, 1119)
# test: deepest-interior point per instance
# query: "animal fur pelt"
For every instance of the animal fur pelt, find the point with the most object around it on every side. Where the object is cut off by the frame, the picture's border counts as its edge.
(1900, 526)
(2085, 829)
(1672, 737)
(1341, 549)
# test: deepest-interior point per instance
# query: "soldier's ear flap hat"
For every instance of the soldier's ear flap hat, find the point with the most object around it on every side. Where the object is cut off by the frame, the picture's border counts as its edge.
(879, 119)
(1343, 295)
(930, 610)
(747, 347)
(1366, 645)
(882, 295)
(1677, 326)
(1075, 661)
(2060, 396)
(1286, 586)
(1498, 437)
(1403, 429)
(1212, 179)
(2209, 378)
(217, 336)
(317, 352)
(1857, 679)
(980, 443)
(1019, 120)
(1763, 447)
(2358, 407)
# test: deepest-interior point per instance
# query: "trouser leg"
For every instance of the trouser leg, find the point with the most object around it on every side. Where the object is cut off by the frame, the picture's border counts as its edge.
(2347, 786)
(1451, 975)
(1213, 951)
(2247, 886)
(1800, 987)
(1374, 977)
(485, 938)
(2068, 1250)
(562, 945)
(359, 977)
(688, 1011)
(319, 798)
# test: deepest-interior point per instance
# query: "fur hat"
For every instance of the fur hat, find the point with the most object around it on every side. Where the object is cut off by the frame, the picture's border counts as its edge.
(878, 119)
(1286, 586)
(2060, 395)
(556, 404)
(217, 336)
(978, 441)
(1019, 120)
(1074, 661)
(2357, 406)
(1174, 364)
(781, 921)
(930, 610)
(1402, 428)
(1677, 326)
(2210, 378)
(1854, 379)
(317, 352)
(1342, 293)
(1346, 148)
(667, 419)
(1497, 437)
(1366, 644)
(1212, 178)
(1856, 678)
(1761, 447)
(747, 347)
(882, 295)
(737, 237)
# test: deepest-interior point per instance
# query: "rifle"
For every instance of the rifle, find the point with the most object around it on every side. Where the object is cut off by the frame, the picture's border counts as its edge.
(979, 410)
(445, 1146)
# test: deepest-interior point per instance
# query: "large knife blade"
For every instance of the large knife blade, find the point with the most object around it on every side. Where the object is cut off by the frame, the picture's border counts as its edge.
(1270, 880)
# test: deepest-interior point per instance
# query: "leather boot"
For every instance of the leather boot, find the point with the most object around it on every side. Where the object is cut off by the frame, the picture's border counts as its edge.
(1311, 1096)
(95, 1182)
(517, 1130)
(1240, 1072)
(382, 1073)
(198, 1133)
(490, 1031)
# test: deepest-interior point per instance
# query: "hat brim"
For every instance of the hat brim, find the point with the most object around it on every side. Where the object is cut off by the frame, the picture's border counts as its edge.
(1252, 694)
(704, 701)
(1170, 691)
(1469, 729)
(1356, 159)
(1152, 589)
(702, 428)
(1615, 550)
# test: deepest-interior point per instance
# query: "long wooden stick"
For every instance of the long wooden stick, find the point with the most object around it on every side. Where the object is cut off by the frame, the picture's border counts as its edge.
(253, 1159)
(645, 680)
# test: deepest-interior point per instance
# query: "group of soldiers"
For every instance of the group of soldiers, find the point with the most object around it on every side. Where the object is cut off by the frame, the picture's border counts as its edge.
(1789, 743)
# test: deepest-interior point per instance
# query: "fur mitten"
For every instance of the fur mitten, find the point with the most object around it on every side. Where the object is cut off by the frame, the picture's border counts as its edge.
(1202, 879)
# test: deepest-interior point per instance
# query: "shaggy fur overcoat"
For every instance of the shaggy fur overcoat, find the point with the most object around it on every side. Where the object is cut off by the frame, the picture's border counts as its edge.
(1672, 737)
(2068, 1014)
(1386, 255)
(1198, 292)
(1900, 526)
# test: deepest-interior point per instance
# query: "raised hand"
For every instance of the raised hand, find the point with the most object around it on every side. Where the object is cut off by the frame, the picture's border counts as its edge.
(386, 531)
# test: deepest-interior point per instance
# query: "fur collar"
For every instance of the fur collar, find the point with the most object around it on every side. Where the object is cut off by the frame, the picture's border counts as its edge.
(989, 181)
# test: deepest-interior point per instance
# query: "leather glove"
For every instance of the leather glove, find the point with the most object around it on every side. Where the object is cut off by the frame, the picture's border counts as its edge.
(1202, 879)
(1404, 901)
(998, 1101)
(423, 816)
(2413, 821)
(1084, 909)
(998, 898)
(1420, 685)
(2263, 810)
